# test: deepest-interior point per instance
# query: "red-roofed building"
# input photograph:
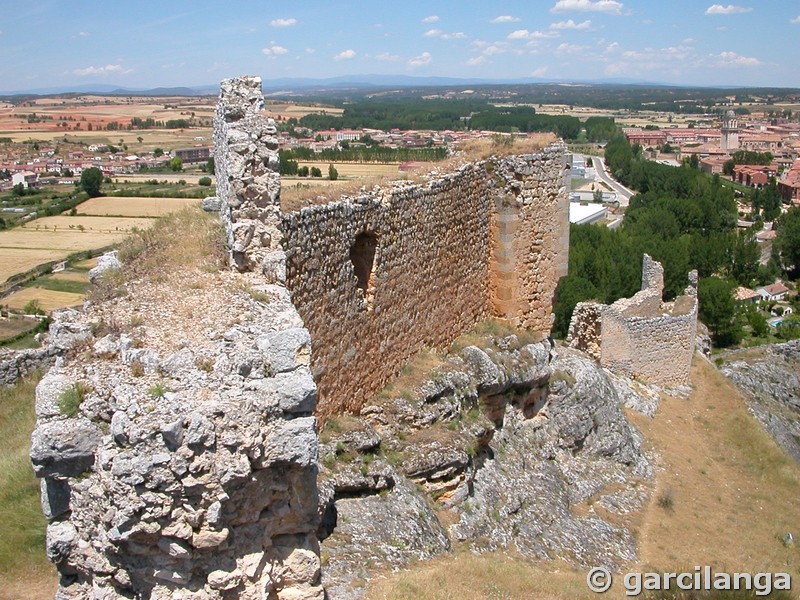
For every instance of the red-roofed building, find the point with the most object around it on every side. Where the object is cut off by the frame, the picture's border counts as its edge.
(647, 137)
(753, 175)
(789, 186)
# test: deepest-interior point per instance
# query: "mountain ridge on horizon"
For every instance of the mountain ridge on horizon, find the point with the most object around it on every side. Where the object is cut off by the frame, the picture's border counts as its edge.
(289, 84)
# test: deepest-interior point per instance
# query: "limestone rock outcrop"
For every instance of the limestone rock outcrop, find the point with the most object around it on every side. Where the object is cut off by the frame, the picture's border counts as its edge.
(503, 446)
(770, 383)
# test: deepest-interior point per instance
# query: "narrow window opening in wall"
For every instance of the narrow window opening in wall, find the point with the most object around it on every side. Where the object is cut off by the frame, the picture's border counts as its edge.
(362, 255)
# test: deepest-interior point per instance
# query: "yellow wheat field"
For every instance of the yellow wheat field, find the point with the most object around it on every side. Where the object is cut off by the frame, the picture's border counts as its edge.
(19, 260)
(133, 207)
(60, 224)
(47, 299)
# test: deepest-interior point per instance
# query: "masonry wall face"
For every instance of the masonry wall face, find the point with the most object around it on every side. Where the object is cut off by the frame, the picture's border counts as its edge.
(641, 336)
(435, 270)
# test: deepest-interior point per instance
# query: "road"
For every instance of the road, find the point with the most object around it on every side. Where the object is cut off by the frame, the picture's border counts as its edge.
(623, 193)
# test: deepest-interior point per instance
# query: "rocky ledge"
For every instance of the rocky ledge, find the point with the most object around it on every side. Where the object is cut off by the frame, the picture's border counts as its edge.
(770, 383)
(504, 446)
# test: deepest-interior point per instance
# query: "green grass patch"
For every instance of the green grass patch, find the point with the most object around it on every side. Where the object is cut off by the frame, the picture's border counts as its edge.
(22, 524)
(69, 402)
(60, 285)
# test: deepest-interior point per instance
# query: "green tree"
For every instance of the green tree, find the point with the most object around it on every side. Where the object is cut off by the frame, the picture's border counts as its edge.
(91, 180)
(204, 181)
(158, 152)
(316, 172)
(718, 310)
(787, 242)
(570, 291)
(333, 174)
(176, 164)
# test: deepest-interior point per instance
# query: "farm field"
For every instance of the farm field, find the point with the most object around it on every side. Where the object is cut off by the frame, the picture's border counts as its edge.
(47, 299)
(91, 224)
(23, 248)
(354, 170)
(19, 260)
(126, 206)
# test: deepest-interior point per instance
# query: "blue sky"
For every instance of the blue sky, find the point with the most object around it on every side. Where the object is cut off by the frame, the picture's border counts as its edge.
(148, 44)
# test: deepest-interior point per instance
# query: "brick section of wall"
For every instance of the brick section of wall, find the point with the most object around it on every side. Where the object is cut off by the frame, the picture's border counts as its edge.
(641, 336)
(446, 258)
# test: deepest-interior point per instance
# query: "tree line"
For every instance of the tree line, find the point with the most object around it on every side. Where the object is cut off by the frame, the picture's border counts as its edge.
(681, 217)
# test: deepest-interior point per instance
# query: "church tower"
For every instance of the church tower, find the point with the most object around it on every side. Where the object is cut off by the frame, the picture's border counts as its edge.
(730, 132)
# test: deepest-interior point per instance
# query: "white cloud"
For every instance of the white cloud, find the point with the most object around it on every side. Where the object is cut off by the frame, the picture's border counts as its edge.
(107, 70)
(456, 35)
(539, 72)
(492, 49)
(796, 21)
(431, 19)
(274, 50)
(421, 60)
(385, 56)
(283, 22)
(477, 61)
(570, 24)
(730, 9)
(504, 19)
(83, 34)
(524, 34)
(310, 50)
(569, 48)
(731, 59)
(608, 6)
(612, 47)
(345, 55)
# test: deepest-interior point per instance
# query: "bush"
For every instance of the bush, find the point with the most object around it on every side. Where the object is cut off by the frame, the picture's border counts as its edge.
(69, 401)
(204, 181)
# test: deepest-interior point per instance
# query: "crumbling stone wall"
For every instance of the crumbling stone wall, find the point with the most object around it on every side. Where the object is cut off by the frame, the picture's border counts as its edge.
(641, 336)
(248, 180)
(187, 468)
(440, 265)
(15, 364)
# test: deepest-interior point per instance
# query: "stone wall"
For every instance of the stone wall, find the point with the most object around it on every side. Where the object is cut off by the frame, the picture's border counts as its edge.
(178, 453)
(15, 364)
(490, 238)
(248, 182)
(641, 336)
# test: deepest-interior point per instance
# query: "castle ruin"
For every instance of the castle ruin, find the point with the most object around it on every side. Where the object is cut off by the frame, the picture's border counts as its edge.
(641, 336)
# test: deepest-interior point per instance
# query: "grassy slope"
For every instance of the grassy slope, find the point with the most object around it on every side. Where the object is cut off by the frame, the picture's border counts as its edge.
(24, 570)
(733, 493)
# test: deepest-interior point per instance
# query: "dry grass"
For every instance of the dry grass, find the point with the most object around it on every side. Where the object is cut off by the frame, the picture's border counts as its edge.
(502, 145)
(70, 276)
(481, 577)
(412, 375)
(48, 299)
(733, 491)
(189, 239)
(295, 198)
(24, 570)
(133, 207)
